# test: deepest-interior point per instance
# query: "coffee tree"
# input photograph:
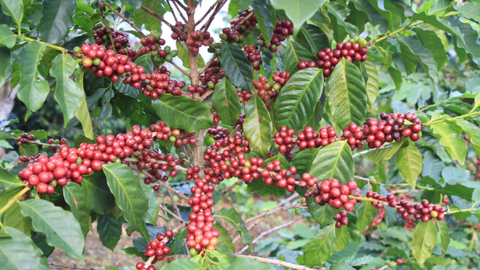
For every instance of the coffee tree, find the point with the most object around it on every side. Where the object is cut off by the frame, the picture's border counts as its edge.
(288, 104)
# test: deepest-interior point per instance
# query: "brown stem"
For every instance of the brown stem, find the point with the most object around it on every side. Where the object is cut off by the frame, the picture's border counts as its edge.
(217, 9)
(174, 29)
(181, 14)
(204, 96)
(175, 207)
(269, 231)
(280, 263)
(181, 5)
(42, 144)
(124, 19)
(72, 265)
(180, 69)
(177, 167)
(161, 183)
(206, 13)
(209, 64)
(173, 12)
(175, 216)
(243, 21)
(231, 187)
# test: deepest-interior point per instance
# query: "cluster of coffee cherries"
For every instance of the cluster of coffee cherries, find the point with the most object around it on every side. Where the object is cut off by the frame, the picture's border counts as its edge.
(391, 128)
(218, 132)
(378, 219)
(265, 90)
(195, 41)
(201, 234)
(390, 264)
(353, 134)
(341, 219)
(421, 211)
(282, 178)
(212, 75)
(155, 161)
(152, 44)
(352, 50)
(282, 29)
(120, 39)
(312, 139)
(236, 34)
(70, 164)
(29, 138)
(177, 136)
(254, 56)
(478, 168)
(156, 248)
(103, 62)
(334, 193)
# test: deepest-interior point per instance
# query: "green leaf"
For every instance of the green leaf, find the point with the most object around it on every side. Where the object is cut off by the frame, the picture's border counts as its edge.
(320, 247)
(444, 235)
(232, 217)
(129, 196)
(144, 18)
(224, 237)
(67, 92)
(449, 136)
(13, 216)
(298, 11)
(151, 215)
(146, 62)
(372, 82)
(346, 95)
(386, 153)
(236, 66)
(303, 160)
(109, 229)
(8, 180)
(183, 112)
(413, 50)
(19, 251)
(473, 133)
(82, 113)
(265, 190)
(246, 263)
(57, 20)
(339, 21)
(258, 126)
(430, 40)
(41, 241)
(98, 193)
(424, 240)
(265, 15)
(389, 11)
(244, 4)
(334, 161)
(409, 161)
(323, 214)
(32, 92)
(184, 264)
(314, 38)
(342, 238)
(366, 213)
(183, 55)
(14, 9)
(226, 102)
(7, 38)
(6, 60)
(75, 195)
(294, 54)
(60, 226)
(470, 11)
(375, 17)
(297, 99)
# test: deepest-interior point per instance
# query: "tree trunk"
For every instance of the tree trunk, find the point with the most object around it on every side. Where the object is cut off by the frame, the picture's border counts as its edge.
(7, 100)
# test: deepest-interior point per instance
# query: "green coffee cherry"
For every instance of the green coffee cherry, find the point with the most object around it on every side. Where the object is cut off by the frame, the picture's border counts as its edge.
(167, 49)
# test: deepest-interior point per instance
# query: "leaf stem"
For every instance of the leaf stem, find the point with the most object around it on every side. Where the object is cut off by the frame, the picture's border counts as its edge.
(55, 47)
(13, 200)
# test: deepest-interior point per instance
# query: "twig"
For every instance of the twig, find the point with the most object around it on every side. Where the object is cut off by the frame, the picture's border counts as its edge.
(178, 9)
(124, 19)
(177, 167)
(242, 21)
(225, 191)
(269, 231)
(176, 216)
(204, 96)
(385, 146)
(361, 178)
(235, 131)
(55, 47)
(206, 13)
(174, 205)
(180, 69)
(258, 218)
(72, 265)
(161, 183)
(209, 64)
(181, 5)
(188, 150)
(174, 29)
(173, 12)
(280, 263)
(42, 144)
(207, 24)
